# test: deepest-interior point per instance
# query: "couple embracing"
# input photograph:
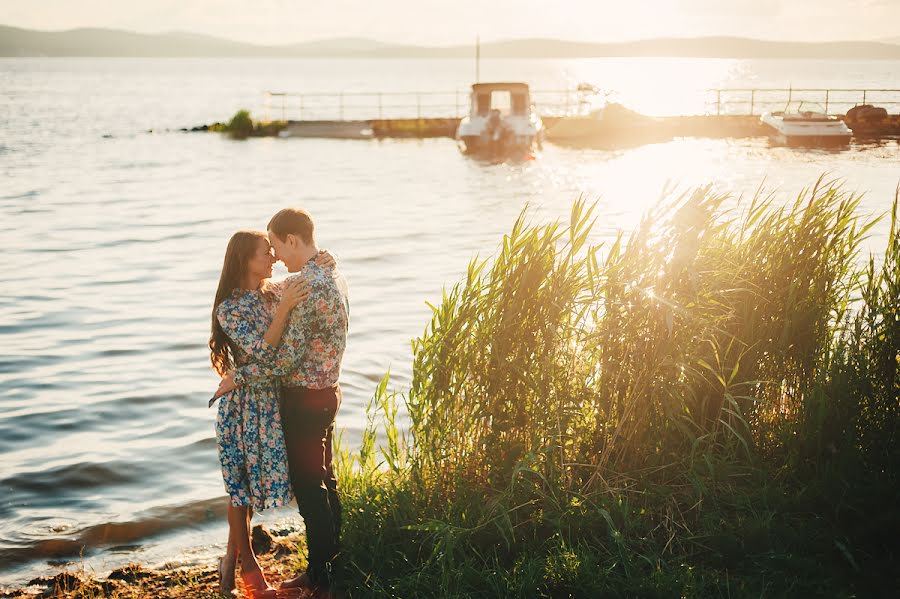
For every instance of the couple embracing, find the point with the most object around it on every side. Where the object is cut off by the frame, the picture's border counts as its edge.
(278, 348)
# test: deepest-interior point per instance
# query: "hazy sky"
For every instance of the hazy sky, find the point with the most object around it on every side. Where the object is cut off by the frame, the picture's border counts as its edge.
(438, 23)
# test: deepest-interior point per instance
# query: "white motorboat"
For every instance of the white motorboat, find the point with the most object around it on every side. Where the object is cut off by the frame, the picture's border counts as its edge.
(806, 124)
(501, 121)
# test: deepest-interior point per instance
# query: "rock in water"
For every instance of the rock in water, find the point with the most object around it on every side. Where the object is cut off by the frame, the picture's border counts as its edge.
(261, 540)
(866, 119)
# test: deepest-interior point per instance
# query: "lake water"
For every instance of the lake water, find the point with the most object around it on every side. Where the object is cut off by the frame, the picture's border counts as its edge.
(112, 239)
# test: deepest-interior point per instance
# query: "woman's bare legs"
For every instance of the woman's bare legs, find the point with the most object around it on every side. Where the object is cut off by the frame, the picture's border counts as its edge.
(228, 562)
(239, 526)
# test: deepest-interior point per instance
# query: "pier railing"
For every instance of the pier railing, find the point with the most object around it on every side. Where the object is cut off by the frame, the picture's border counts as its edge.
(348, 106)
(754, 101)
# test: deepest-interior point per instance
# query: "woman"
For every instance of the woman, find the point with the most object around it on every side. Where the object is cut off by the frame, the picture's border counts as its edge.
(249, 316)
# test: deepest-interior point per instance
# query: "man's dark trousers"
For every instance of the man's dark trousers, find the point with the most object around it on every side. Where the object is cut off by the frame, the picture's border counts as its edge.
(307, 417)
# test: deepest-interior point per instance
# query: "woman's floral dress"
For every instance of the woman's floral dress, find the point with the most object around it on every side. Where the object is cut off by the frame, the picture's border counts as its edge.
(248, 425)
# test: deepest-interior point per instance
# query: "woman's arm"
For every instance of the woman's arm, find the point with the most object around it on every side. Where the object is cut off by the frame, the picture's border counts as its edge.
(240, 326)
(284, 358)
(294, 291)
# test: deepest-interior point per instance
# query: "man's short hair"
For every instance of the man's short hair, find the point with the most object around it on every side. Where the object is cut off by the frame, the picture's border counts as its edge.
(293, 221)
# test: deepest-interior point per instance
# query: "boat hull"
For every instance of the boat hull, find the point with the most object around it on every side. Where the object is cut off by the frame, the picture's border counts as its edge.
(509, 136)
(807, 131)
(486, 146)
(810, 141)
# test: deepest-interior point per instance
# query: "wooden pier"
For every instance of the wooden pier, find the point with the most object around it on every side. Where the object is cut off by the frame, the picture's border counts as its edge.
(569, 115)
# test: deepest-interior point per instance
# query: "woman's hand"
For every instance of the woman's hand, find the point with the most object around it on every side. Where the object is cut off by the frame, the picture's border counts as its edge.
(325, 259)
(226, 384)
(295, 291)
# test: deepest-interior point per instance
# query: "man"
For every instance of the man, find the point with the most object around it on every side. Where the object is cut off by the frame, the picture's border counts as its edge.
(308, 362)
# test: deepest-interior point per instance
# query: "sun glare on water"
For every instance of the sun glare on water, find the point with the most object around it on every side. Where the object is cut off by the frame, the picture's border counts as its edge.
(658, 86)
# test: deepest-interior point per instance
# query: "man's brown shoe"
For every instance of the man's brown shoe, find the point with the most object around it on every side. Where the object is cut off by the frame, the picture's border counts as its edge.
(297, 582)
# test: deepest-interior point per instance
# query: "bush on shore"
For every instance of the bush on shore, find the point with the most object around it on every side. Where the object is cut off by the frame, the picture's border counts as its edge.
(242, 126)
(708, 407)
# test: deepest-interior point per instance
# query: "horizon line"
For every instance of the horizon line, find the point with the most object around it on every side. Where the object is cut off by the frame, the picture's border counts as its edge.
(218, 37)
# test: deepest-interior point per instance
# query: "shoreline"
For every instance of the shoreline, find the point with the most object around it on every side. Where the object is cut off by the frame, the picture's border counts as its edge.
(280, 553)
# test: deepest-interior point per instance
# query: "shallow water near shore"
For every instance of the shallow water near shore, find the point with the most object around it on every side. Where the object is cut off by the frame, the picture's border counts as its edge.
(113, 238)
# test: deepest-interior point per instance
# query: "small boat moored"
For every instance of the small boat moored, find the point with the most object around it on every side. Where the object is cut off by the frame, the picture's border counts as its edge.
(806, 124)
(501, 121)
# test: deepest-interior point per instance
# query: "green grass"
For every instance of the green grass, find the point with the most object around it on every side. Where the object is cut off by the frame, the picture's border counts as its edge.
(706, 408)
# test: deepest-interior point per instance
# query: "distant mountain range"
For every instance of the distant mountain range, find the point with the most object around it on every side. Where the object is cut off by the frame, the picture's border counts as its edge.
(115, 43)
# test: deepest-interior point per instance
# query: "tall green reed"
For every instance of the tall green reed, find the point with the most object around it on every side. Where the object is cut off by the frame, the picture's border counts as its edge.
(704, 329)
(568, 396)
(854, 408)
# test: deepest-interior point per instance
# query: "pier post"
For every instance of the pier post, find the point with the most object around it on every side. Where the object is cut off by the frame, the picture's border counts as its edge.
(827, 92)
(864, 96)
(419, 115)
(752, 100)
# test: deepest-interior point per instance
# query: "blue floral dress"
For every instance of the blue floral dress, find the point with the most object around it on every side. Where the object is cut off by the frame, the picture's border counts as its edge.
(248, 424)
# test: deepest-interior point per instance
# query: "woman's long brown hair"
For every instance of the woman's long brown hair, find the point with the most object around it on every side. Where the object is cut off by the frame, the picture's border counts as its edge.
(241, 248)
